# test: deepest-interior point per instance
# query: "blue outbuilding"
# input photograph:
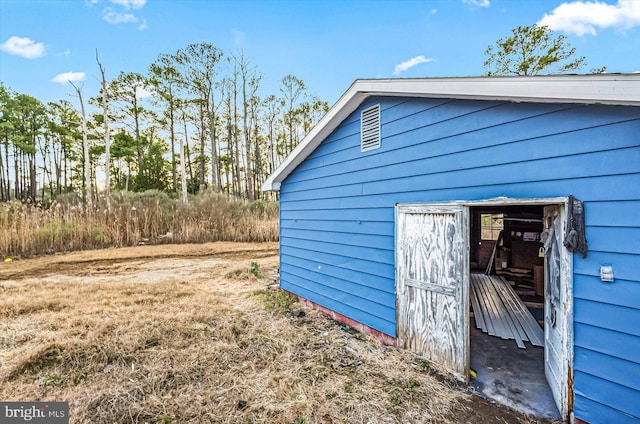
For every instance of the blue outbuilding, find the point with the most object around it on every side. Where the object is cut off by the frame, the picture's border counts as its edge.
(394, 198)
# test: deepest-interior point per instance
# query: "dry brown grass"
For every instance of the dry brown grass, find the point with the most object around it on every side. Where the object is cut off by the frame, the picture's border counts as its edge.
(147, 217)
(188, 333)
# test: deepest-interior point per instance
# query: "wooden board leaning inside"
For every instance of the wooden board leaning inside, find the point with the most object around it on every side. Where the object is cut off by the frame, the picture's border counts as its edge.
(516, 255)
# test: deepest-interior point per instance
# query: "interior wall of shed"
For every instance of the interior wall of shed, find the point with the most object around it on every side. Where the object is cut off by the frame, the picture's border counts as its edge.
(521, 252)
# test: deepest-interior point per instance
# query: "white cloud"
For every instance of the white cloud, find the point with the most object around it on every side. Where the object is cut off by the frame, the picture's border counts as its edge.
(64, 53)
(68, 76)
(238, 36)
(124, 15)
(143, 93)
(582, 18)
(115, 18)
(477, 3)
(23, 46)
(408, 64)
(130, 4)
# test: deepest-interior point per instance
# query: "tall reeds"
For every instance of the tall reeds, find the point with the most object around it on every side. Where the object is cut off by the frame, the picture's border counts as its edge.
(135, 218)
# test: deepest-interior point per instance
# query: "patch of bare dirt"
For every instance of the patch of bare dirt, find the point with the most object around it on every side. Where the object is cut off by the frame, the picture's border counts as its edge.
(199, 333)
(83, 262)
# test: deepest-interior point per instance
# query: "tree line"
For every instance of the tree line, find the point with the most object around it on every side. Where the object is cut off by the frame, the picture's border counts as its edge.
(195, 120)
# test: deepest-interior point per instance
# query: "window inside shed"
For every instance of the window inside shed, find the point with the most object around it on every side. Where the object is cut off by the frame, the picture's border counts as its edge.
(490, 225)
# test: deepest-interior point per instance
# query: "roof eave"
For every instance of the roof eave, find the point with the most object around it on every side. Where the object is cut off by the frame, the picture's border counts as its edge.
(613, 89)
(338, 112)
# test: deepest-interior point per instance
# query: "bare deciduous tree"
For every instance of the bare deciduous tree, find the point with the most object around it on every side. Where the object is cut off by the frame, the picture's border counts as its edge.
(85, 148)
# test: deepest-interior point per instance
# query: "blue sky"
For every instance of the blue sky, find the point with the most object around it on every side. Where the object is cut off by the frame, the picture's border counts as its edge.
(328, 44)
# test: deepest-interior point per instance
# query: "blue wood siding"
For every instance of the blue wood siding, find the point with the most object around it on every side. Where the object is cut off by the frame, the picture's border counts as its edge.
(337, 215)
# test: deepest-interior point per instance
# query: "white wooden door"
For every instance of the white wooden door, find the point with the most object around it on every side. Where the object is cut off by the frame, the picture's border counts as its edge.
(558, 307)
(432, 283)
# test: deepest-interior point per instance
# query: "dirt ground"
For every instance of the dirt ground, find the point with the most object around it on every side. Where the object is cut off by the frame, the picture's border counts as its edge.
(201, 334)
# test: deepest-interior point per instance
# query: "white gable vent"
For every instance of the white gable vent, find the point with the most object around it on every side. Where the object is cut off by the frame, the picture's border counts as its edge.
(370, 128)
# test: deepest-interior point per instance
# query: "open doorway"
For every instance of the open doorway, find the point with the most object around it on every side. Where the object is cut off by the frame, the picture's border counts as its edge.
(439, 252)
(514, 359)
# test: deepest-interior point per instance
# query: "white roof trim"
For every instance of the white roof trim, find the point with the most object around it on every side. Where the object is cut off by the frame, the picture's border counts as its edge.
(613, 89)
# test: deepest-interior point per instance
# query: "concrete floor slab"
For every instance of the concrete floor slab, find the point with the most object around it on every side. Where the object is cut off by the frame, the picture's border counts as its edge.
(511, 376)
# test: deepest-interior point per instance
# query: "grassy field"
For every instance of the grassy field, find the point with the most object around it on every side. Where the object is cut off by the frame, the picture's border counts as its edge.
(201, 334)
(149, 217)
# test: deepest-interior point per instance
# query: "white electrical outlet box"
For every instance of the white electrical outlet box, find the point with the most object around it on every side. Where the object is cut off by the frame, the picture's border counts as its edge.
(606, 273)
